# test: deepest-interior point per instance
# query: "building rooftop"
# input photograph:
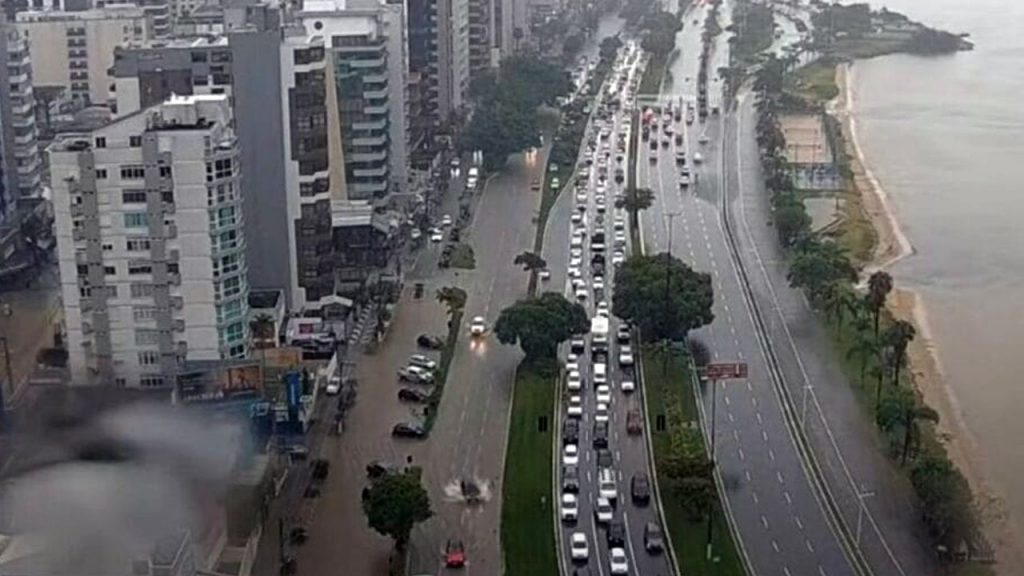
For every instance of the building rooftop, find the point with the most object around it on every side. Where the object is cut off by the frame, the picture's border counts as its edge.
(110, 11)
(264, 298)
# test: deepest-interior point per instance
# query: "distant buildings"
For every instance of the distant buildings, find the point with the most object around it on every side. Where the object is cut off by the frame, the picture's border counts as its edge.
(151, 243)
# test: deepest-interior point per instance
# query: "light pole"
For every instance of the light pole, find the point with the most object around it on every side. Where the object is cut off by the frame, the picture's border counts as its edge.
(803, 409)
(861, 495)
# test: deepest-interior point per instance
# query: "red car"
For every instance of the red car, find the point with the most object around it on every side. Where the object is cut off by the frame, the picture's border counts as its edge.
(454, 554)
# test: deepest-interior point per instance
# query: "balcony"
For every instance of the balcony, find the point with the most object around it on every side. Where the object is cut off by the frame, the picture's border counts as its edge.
(179, 325)
(368, 63)
(177, 302)
(379, 125)
(375, 110)
(379, 172)
(367, 156)
(370, 141)
(81, 258)
(381, 94)
(174, 279)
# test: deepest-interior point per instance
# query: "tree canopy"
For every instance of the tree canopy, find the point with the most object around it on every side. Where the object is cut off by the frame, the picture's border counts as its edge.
(530, 261)
(394, 503)
(540, 324)
(817, 266)
(663, 296)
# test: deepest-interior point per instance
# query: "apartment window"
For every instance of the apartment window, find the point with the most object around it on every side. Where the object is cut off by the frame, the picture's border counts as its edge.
(151, 381)
(165, 171)
(138, 244)
(109, 270)
(83, 269)
(140, 269)
(199, 57)
(101, 142)
(218, 169)
(101, 173)
(143, 313)
(108, 247)
(149, 358)
(133, 172)
(136, 220)
(135, 141)
(200, 80)
(229, 264)
(233, 332)
(220, 57)
(120, 382)
(133, 197)
(232, 286)
(146, 336)
(141, 290)
(172, 268)
(230, 311)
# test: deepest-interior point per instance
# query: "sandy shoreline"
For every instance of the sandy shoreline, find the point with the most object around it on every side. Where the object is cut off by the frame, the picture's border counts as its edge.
(923, 355)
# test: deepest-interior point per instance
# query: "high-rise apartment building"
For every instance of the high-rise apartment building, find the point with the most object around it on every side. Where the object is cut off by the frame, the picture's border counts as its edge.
(151, 242)
(481, 36)
(366, 46)
(18, 117)
(75, 50)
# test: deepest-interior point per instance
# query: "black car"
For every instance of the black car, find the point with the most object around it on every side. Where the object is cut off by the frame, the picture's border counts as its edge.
(616, 533)
(604, 458)
(412, 395)
(640, 489)
(600, 434)
(622, 334)
(654, 540)
(571, 431)
(406, 430)
(578, 345)
(378, 468)
(570, 479)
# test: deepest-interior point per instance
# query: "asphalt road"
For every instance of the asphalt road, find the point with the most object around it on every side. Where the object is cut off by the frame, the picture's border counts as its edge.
(781, 525)
(629, 453)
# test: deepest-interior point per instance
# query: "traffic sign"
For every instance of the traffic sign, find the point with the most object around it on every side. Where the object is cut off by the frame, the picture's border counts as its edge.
(726, 370)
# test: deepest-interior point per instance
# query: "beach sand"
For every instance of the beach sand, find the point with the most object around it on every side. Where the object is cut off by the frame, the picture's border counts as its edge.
(923, 355)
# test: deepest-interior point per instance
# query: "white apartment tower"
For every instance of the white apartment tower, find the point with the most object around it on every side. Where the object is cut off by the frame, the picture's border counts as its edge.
(150, 242)
(19, 111)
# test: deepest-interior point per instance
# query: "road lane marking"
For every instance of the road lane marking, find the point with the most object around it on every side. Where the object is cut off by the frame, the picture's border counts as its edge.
(753, 494)
(799, 523)
(740, 451)
(746, 472)
(778, 474)
(764, 435)
(810, 547)
(775, 545)
(764, 521)
(771, 455)
(789, 499)
(758, 415)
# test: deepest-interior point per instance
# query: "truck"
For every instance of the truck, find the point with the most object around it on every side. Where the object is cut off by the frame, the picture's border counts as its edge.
(599, 335)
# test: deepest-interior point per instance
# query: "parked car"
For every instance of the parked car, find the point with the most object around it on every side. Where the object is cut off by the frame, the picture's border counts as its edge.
(377, 468)
(407, 430)
(626, 356)
(429, 342)
(416, 375)
(627, 385)
(640, 489)
(422, 361)
(412, 395)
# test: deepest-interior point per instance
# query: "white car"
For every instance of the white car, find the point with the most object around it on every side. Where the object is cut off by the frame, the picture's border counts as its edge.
(703, 140)
(617, 560)
(606, 485)
(577, 218)
(620, 224)
(579, 549)
(626, 356)
(436, 235)
(618, 257)
(446, 221)
(604, 394)
(422, 361)
(574, 381)
(570, 455)
(581, 294)
(581, 196)
(604, 511)
(544, 275)
(478, 326)
(576, 252)
(575, 409)
(598, 282)
(601, 413)
(628, 386)
(574, 271)
(602, 308)
(570, 508)
(620, 237)
(333, 385)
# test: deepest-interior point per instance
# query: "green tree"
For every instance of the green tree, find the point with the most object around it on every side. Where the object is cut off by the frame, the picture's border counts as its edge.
(817, 265)
(453, 298)
(663, 296)
(634, 200)
(540, 324)
(879, 285)
(394, 503)
(864, 347)
(898, 337)
(530, 261)
(609, 48)
(902, 409)
(791, 220)
(688, 467)
(946, 501)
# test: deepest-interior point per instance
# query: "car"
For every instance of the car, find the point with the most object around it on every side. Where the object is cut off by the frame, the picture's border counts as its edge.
(623, 334)
(654, 538)
(601, 413)
(575, 272)
(602, 308)
(454, 554)
(544, 275)
(333, 386)
(578, 345)
(665, 143)
(572, 363)
(416, 375)
(535, 185)
(606, 484)
(575, 408)
(600, 437)
(581, 294)
(626, 356)
(455, 162)
(478, 326)
(616, 533)
(570, 509)
(634, 422)
(570, 454)
(627, 385)
(640, 489)
(446, 221)
(576, 217)
(604, 394)
(429, 342)
(570, 431)
(603, 511)
(377, 468)
(618, 564)
(422, 361)
(576, 252)
(697, 158)
(618, 257)
(574, 381)
(581, 196)
(407, 430)
(604, 458)
(579, 550)
(570, 479)
(436, 235)
(601, 207)
(598, 282)
(415, 234)
(412, 395)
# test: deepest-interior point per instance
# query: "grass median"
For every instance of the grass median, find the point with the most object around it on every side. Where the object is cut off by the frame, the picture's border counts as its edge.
(527, 511)
(670, 399)
(441, 374)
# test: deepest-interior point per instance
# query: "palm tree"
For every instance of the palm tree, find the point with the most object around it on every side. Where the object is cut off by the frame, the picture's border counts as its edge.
(911, 429)
(530, 261)
(454, 298)
(879, 286)
(864, 347)
(262, 328)
(898, 338)
(634, 200)
(902, 408)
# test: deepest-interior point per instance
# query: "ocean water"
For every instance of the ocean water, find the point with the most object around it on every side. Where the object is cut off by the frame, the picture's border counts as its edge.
(945, 138)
